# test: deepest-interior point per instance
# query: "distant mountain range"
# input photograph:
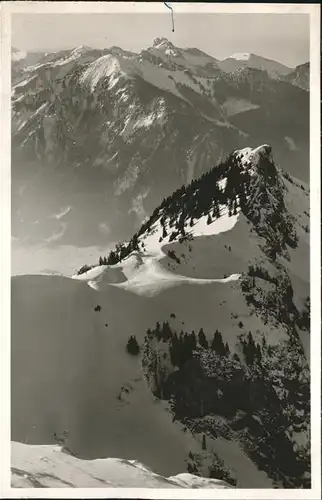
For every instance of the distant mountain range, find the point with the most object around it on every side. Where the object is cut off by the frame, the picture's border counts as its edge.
(99, 137)
(238, 61)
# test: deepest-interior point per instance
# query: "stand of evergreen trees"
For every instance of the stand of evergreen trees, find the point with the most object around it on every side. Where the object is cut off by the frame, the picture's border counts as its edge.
(182, 346)
(210, 381)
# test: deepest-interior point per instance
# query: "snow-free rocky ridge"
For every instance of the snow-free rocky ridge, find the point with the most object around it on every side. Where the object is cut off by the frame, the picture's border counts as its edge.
(215, 288)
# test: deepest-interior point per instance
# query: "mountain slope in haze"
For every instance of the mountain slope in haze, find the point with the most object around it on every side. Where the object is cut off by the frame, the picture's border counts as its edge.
(113, 132)
(226, 255)
(248, 60)
(300, 76)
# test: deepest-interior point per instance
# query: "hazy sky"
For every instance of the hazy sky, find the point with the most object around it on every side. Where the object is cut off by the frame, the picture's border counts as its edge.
(282, 37)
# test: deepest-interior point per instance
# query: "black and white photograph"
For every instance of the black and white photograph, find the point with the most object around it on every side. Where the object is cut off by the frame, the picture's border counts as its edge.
(163, 189)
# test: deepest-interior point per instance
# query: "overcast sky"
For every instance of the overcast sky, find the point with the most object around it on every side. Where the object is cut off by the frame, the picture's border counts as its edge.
(282, 37)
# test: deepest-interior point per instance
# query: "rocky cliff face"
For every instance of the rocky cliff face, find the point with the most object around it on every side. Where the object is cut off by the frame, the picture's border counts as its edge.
(300, 76)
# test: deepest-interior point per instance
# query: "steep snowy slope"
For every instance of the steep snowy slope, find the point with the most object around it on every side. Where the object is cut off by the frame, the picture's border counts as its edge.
(221, 254)
(51, 467)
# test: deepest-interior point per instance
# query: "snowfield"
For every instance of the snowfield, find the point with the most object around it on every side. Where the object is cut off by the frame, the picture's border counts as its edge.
(241, 56)
(106, 66)
(143, 273)
(48, 466)
(232, 106)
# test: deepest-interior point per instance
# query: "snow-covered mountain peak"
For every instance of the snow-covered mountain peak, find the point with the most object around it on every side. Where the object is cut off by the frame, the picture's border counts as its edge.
(241, 56)
(17, 55)
(162, 42)
(254, 157)
(106, 66)
(82, 48)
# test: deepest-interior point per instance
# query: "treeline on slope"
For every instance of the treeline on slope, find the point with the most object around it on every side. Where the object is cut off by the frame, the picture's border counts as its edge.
(271, 297)
(183, 345)
(204, 379)
(259, 197)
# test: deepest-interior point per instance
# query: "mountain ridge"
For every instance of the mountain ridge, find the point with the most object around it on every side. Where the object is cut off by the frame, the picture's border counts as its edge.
(140, 123)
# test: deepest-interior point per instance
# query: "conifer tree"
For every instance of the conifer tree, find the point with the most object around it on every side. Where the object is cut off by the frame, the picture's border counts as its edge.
(217, 344)
(132, 345)
(258, 353)
(202, 339)
(158, 331)
(193, 340)
(175, 350)
(166, 332)
(250, 349)
(236, 357)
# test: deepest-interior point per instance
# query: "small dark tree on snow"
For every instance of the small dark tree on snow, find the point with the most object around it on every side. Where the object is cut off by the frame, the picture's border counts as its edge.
(202, 339)
(84, 269)
(158, 331)
(209, 220)
(236, 357)
(204, 445)
(249, 349)
(132, 346)
(217, 344)
(193, 340)
(166, 332)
